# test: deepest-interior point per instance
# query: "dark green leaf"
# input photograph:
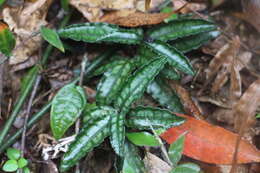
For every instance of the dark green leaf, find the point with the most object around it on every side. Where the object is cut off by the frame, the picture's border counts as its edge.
(117, 138)
(112, 82)
(137, 84)
(162, 93)
(132, 161)
(180, 28)
(173, 56)
(7, 40)
(10, 166)
(175, 150)
(189, 43)
(101, 32)
(52, 37)
(186, 168)
(13, 153)
(142, 139)
(145, 55)
(170, 73)
(93, 112)
(22, 162)
(67, 106)
(143, 118)
(102, 69)
(90, 136)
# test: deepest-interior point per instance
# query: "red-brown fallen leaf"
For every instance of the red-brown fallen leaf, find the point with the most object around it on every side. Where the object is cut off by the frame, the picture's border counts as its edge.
(211, 144)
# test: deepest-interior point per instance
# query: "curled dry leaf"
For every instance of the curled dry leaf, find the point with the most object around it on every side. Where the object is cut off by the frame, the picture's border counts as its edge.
(245, 109)
(228, 61)
(93, 9)
(211, 144)
(133, 18)
(187, 7)
(27, 41)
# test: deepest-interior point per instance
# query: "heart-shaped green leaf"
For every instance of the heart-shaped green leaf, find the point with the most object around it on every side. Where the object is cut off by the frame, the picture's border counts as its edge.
(66, 107)
(22, 162)
(13, 153)
(10, 166)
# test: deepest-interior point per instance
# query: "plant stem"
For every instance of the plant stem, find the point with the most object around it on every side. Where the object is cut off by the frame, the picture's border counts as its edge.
(28, 88)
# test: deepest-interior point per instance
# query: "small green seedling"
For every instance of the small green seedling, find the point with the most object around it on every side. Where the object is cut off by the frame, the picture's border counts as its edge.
(15, 161)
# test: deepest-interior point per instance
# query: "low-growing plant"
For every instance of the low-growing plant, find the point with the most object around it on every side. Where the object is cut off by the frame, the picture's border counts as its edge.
(160, 56)
(15, 161)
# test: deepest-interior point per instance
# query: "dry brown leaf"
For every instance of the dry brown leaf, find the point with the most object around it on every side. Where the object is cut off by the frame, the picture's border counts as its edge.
(155, 165)
(189, 106)
(251, 9)
(244, 110)
(187, 7)
(27, 43)
(228, 61)
(132, 18)
(93, 9)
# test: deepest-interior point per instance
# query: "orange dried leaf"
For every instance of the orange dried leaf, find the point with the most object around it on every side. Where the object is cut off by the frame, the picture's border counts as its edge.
(211, 144)
(133, 19)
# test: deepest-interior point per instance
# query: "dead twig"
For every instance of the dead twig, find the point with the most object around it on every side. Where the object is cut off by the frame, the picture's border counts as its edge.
(28, 111)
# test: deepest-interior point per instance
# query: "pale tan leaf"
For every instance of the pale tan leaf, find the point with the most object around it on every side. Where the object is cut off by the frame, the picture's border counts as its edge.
(155, 165)
(25, 24)
(244, 110)
(93, 9)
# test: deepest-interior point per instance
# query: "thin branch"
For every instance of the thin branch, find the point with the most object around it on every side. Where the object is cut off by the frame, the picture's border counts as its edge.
(83, 67)
(28, 111)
